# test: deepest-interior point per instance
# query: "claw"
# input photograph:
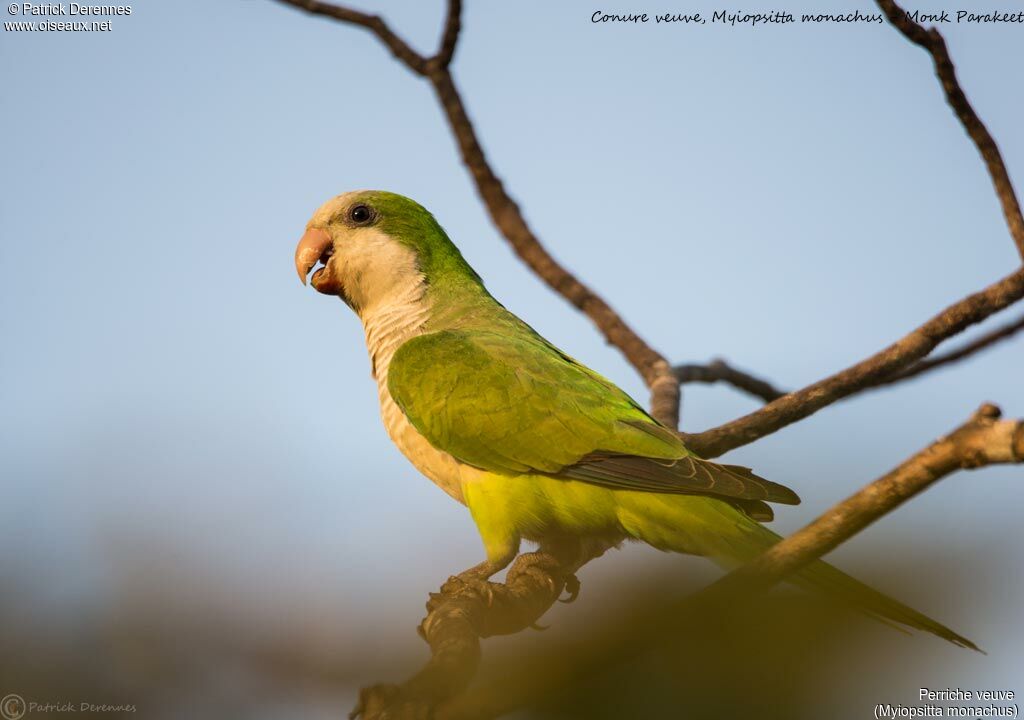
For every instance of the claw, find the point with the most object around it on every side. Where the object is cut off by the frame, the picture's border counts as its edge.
(551, 584)
(461, 583)
(572, 586)
(538, 627)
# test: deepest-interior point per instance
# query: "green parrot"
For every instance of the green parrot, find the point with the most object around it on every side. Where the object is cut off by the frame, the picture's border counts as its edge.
(534, 443)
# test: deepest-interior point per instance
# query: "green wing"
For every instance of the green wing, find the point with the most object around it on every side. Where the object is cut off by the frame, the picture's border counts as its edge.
(512, 403)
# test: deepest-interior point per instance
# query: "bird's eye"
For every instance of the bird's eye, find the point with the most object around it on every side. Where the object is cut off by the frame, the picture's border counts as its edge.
(360, 214)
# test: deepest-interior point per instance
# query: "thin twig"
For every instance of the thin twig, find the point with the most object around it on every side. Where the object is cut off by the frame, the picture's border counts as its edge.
(894, 359)
(720, 371)
(450, 36)
(932, 41)
(1004, 332)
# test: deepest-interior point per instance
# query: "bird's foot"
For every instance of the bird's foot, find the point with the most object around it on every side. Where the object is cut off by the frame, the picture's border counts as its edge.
(390, 702)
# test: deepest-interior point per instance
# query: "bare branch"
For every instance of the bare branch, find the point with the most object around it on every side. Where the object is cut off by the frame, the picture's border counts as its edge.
(983, 440)
(450, 36)
(932, 41)
(398, 47)
(893, 359)
(1004, 332)
(719, 370)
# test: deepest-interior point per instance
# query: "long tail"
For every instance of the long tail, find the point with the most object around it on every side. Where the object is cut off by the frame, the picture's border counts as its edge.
(699, 525)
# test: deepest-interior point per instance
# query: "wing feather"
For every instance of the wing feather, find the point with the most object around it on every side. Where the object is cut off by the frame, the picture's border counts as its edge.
(511, 403)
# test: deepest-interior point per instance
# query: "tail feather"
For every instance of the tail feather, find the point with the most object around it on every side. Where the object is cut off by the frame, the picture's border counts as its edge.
(705, 526)
(821, 576)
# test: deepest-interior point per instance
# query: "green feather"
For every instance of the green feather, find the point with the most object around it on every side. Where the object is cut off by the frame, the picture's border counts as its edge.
(510, 403)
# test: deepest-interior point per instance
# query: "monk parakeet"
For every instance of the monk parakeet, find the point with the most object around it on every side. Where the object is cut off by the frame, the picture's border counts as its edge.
(536, 445)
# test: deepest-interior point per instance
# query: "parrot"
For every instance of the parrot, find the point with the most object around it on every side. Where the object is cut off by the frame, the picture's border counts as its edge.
(535, 444)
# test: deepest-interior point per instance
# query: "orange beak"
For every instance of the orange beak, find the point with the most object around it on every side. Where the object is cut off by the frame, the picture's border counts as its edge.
(310, 249)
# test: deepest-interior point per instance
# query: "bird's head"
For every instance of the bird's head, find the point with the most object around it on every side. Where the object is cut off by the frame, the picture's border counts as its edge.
(372, 245)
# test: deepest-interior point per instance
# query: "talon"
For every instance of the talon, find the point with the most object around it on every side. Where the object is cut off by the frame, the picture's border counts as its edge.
(538, 627)
(572, 586)
(452, 587)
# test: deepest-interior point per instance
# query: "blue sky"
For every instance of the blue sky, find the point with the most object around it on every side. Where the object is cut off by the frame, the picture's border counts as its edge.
(790, 198)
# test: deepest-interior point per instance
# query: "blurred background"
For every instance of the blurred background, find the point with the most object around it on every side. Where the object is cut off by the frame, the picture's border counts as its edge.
(201, 513)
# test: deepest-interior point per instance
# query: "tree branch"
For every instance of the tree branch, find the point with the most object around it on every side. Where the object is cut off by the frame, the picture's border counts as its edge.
(719, 370)
(1004, 332)
(897, 357)
(652, 366)
(450, 36)
(932, 41)
(983, 440)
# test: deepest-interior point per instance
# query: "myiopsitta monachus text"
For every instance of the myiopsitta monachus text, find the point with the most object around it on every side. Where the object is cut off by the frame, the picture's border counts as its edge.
(536, 445)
